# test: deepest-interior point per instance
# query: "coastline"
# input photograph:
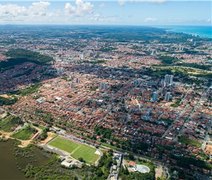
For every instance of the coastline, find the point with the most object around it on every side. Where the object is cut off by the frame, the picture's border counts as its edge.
(201, 31)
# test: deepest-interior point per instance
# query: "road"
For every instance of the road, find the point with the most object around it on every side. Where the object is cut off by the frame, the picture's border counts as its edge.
(204, 96)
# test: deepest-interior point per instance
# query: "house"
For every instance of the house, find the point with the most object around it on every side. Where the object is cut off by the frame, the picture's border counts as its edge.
(132, 164)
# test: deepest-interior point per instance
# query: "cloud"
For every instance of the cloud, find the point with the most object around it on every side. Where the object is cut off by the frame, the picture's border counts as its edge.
(39, 8)
(11, 10)
(209, 20)
(79, 9)
(98, 18)
(122, 2)
(102, 5)
(41, 12)
(15, 11)
(150, 19)
(69, 8)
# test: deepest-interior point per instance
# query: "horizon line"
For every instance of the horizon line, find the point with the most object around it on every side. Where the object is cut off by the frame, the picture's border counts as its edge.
(147, 25)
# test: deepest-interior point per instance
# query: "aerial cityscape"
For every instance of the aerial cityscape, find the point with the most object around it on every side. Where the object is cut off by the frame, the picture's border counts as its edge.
(86, 95)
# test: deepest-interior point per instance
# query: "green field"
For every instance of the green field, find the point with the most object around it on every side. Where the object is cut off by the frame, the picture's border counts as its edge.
(76, 150)
(29, 90)
(8, 101)
(188, 141)
(25, 133)
(9, 123)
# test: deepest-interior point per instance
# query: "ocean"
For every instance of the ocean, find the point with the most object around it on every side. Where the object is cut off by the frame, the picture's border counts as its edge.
(202, 31)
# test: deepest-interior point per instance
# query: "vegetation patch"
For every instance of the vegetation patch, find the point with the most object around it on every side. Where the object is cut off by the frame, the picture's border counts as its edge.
(104, 165)
(188, 162)
(177, 103)
(182, 71)
(45, 116)
(168, 60)
(195, 65)
(98, 62)
(125, 174)
(9, 123)
(29, 90)
(188, 141)
(20, 56)
(107, 49)
(44, 133)
(8, 101)
(104, 132)
(29, 55)
(35, 163)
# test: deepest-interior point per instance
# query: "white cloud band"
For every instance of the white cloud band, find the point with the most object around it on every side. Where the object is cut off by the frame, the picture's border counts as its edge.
(79, 9)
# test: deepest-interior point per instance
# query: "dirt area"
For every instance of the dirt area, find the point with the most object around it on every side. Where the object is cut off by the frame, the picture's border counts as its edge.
(6, 135)
(27, 142)
(4, 96)
(3, 115)
(208, 149)
(158, 172)
(51, 135)
(24, 143)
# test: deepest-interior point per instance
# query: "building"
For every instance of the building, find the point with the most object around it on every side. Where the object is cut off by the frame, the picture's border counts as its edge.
(69, 163)
(137, 82)
(168, 96)
(103, 86)
(155, 96)
(41, 100)
(77, 80)
(82, 56)
(168, 79)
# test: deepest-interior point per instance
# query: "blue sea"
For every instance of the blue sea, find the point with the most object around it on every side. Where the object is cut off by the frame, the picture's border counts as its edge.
(202, 31)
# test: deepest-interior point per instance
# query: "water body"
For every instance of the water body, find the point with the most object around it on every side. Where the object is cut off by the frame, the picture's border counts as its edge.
(9, 163)
(202, 31)
(8, 167)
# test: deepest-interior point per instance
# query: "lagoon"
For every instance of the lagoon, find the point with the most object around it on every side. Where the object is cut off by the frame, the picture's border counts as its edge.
(8, 167)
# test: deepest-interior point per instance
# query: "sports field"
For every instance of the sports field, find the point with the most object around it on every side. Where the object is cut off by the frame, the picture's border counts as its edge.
(25, 134)
(77, 150)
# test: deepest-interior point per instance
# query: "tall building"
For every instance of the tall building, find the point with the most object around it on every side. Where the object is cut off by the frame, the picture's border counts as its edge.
(77, 80)
(60, 71)
(155, 96)
(180, 48)
(168, 96)
(169, 79)
(82, 56)
(103, 86)
(137, 82)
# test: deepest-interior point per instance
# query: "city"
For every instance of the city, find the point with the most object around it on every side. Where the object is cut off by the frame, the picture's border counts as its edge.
(104, 101)
(144, 100)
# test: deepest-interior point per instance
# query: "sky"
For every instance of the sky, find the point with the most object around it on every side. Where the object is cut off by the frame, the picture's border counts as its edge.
(110, 12)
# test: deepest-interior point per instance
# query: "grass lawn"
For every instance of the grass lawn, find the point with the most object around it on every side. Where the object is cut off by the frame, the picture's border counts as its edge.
(29, 90)
(9, 123)
(76, 150)
(25, 134)
(8, 101)
(187, 141)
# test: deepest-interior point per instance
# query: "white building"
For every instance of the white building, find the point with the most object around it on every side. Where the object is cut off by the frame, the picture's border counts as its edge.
(169, 79)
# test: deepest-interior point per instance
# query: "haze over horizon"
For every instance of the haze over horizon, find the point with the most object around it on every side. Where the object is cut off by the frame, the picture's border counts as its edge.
(117, 12)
